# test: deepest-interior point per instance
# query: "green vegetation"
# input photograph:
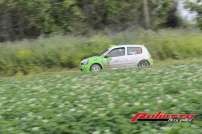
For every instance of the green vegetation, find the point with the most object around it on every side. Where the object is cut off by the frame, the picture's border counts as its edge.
(65, 103)
(67, 51)
(21, 19)
(197, 7)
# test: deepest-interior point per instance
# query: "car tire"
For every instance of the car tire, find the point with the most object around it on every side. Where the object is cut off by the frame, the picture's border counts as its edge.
(95, 68)
(144, 64)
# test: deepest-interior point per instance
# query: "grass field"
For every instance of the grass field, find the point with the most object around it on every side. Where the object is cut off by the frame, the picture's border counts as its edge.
(76, 103)
(64, 52)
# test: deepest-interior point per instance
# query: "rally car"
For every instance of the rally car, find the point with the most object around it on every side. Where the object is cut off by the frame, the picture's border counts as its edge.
(122, 56)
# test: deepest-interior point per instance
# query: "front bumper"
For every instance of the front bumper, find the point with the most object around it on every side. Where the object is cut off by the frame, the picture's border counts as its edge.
(85, 68)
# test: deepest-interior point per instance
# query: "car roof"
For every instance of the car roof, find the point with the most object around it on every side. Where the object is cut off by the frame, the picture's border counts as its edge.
(127, 46)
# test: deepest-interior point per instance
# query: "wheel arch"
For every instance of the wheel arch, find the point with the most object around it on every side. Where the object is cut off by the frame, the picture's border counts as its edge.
(144, 60)
(96, 63)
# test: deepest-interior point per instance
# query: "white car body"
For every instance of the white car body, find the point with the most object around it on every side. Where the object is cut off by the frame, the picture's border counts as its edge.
(130, 56)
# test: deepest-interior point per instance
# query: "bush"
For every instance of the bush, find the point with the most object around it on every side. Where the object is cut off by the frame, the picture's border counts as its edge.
(67, 51)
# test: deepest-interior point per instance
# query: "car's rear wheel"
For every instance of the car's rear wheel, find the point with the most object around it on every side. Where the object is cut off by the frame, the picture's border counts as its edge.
(96, 68)
(144, 64)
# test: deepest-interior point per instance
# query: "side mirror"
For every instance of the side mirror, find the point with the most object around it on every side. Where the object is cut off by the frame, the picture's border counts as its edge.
(106, 56)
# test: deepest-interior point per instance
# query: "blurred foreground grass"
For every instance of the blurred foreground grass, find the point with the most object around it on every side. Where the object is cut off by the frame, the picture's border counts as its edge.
(77, 103)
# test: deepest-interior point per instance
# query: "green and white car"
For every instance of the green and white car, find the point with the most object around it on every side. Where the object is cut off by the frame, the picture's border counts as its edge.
(123, 56)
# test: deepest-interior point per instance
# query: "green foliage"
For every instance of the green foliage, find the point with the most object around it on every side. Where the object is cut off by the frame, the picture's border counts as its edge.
(68, 51)
(197, 7)
(59, 103)
(21, 19)
(61, 51)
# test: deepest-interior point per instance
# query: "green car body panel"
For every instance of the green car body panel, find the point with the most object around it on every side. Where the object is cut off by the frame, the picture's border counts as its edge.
(100, 60)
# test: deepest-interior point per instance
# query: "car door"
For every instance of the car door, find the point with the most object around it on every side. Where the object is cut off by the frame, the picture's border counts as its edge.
(134, 55)
(117, 57)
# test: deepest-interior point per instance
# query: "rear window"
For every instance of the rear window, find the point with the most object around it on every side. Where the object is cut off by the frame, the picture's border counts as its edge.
(134, 50)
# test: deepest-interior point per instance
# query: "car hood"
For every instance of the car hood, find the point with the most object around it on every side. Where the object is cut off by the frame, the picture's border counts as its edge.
(98, 59)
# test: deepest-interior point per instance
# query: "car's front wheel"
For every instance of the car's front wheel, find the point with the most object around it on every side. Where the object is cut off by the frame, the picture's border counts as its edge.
(96, 68)
(144, 64)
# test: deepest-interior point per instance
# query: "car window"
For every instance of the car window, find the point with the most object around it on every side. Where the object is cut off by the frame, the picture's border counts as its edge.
(134, 50)
(117, 52)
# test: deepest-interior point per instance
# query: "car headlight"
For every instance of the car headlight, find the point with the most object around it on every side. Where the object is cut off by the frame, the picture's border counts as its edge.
(84, 62)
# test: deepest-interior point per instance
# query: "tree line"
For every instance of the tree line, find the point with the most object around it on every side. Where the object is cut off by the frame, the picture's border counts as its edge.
(197, 7)
(21, 19)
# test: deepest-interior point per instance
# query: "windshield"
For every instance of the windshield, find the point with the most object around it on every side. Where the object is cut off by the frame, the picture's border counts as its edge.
(103, 52)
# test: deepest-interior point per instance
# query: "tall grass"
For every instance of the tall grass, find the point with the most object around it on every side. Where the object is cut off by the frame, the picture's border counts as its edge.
(67, 51)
